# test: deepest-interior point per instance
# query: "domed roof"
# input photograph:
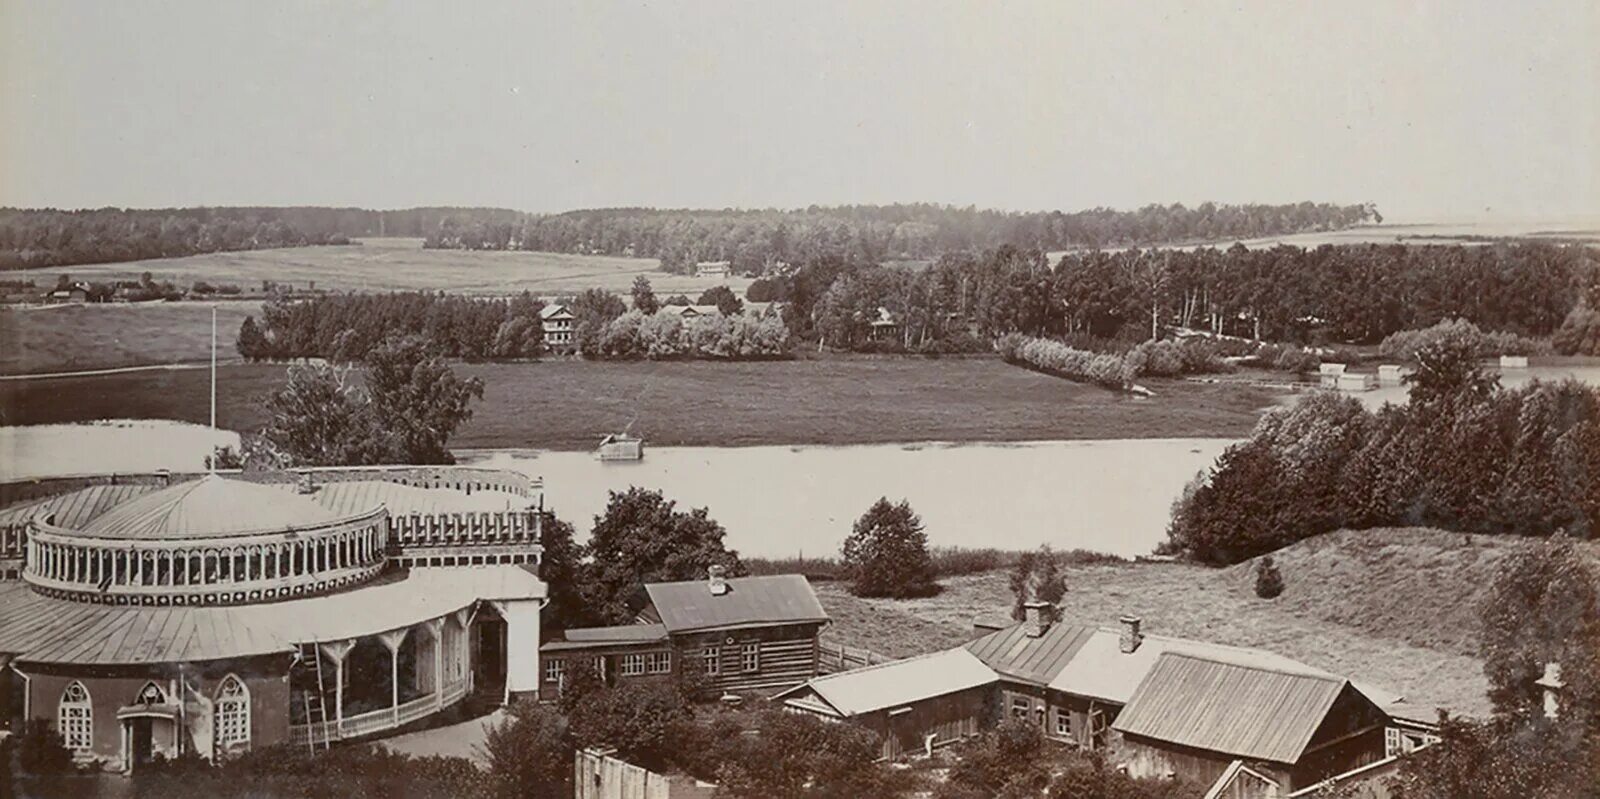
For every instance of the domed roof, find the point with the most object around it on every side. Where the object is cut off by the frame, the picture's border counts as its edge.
(209, 506)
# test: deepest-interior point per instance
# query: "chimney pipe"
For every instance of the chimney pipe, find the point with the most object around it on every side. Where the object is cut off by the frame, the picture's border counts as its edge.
(1037, 617)
(1130, 639)
(716, 580)
(305, 484)
(1552, 685)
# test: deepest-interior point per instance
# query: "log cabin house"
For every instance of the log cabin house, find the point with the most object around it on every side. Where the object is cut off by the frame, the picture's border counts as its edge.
(743, 634)
(1155, 705)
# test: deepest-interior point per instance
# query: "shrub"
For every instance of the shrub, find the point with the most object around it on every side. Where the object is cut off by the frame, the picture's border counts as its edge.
(1296, 360)
(41, 750)
(1405, 344)
(530, 752)
(1579, 333)
(1269, 583)
(887, 553)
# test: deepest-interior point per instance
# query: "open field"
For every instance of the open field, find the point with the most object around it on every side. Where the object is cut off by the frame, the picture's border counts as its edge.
(569, 404)
(1577, 228)
(61, 338)
(1396, 608)
(398, 265)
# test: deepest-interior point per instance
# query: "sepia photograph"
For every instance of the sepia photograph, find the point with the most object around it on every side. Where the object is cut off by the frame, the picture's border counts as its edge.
(888, 399)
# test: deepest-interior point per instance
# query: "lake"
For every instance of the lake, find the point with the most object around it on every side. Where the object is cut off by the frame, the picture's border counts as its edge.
(1109, 496)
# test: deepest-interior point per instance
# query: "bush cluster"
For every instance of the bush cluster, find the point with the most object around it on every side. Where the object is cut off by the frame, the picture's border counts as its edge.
(665, 336)
(1405, 344)
(1165, 358)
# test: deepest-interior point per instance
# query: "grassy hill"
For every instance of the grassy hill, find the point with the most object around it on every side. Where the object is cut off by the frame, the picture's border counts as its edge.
(70, 338)
(1396, 608)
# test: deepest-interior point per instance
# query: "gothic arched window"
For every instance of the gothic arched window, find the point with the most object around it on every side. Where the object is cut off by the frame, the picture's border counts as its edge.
(232, 727)
(75, 718)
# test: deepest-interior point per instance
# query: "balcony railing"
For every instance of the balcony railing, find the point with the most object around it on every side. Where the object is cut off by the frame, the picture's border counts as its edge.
(373, 721)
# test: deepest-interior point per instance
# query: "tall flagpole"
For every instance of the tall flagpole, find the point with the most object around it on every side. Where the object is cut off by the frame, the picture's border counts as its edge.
(213, 367)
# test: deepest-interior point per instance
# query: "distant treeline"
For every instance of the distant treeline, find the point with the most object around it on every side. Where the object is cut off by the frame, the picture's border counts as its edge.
(758, 241)
(49, 237)
(1348, 293)
(346, 327)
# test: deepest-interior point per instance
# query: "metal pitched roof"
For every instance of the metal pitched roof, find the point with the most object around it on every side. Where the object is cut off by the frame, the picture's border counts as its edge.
(1101, 670)
(208, 506)
(37, 628)
(901, 682)
(75, 509)
(750, 601)
(597, 637)
(352, 497)
(1014, 654)
(1242, 710)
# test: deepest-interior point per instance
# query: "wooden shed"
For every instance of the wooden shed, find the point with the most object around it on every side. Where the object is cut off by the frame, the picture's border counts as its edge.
(914, 705)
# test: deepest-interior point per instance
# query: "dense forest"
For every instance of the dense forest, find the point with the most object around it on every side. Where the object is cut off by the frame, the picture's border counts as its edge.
(1330, 294)
(757, 241)
(1463, 454)
(347, 327)
(49, 237)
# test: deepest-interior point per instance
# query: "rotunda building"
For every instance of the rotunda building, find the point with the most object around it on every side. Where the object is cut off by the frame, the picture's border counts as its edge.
(154, 615)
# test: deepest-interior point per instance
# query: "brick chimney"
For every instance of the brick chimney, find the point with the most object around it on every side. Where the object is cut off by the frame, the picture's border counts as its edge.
(1552, 685)
(1037, 617)
(717, 580)
(1130, 639)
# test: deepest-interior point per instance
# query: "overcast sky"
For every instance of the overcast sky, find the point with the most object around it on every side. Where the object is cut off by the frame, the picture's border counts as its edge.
(1429, 109)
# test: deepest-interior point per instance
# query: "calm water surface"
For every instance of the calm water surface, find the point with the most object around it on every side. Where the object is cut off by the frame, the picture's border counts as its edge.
(1510, 378)
(1110, 496)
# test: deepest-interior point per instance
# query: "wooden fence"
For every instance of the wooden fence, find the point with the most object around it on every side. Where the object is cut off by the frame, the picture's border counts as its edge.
(838, 657)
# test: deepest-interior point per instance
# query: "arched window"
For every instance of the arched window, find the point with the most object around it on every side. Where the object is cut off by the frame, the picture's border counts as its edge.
(232, 727)
(75, 718)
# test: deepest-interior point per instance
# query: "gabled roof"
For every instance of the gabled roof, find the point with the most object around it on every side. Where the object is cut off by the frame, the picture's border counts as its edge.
(210, 506)
(1241, 710)
(598, 637)
(553, 310)
(689, 606)
(1101, 670)
(887, 685)
(1013, 654)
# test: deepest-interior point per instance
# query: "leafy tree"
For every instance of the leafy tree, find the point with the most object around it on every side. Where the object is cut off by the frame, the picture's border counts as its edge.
(642, 537)
(638, 719)
(1269, 583)
(252, 343)
(644, 298)
(530, 752)
(1449, 368)
(728, 303)
(1544, 607)
(887, 552)
(417, 400)
(319, 419)
(562, 568)
(1038, 575)
(592, 310)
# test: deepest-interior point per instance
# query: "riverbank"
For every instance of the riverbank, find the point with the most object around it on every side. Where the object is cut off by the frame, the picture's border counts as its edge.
(568, 405)
(1340, 611)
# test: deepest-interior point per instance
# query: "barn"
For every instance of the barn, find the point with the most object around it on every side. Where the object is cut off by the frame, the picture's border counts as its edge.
(914, 705)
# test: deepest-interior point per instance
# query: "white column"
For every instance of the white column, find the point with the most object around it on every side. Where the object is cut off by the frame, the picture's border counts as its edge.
(521, 644)
(337, 651)
(436, 631)
(392, 641)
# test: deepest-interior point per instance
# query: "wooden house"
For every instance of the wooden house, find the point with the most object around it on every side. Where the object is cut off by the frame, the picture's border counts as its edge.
(914, 705)
(557, 321)
(737, 633)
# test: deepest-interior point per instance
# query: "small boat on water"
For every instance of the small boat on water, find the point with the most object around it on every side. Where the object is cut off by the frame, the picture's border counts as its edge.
(621, 447)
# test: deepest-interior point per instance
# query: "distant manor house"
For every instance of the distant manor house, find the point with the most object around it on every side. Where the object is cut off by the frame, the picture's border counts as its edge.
(161, 614)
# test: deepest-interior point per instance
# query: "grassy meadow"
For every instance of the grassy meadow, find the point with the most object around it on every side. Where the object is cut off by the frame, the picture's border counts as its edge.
(567, 404)
(1396, 608)
(70, 338)
(394, 264)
